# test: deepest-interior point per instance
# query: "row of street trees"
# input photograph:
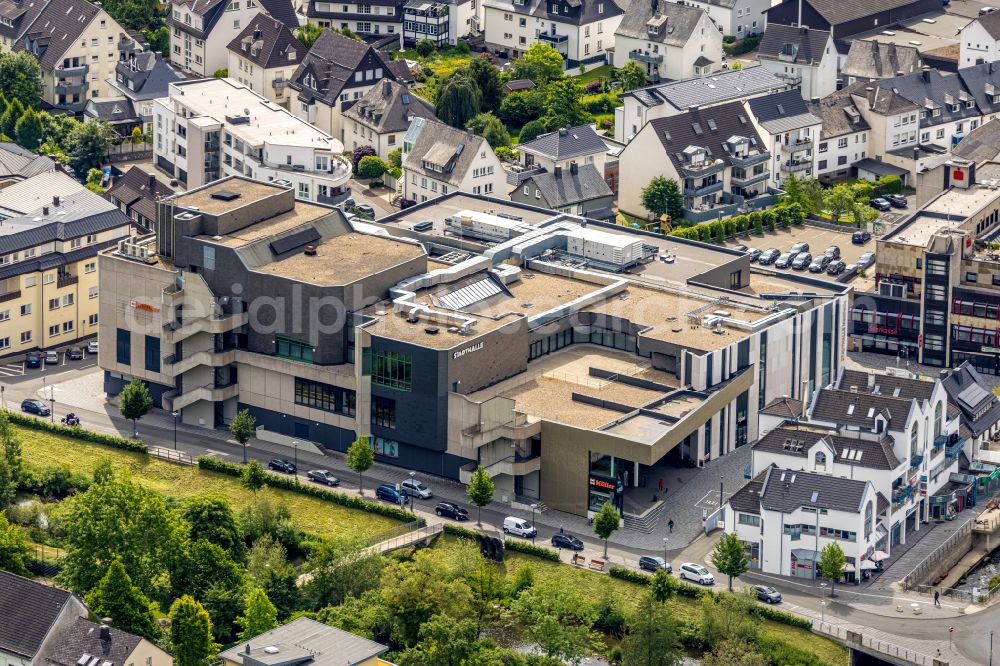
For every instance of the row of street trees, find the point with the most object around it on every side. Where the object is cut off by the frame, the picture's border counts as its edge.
(730, 558)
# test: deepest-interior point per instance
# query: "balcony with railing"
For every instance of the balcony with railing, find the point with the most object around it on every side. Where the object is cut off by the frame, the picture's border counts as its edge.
(702, 189)
(280, 84)
(900, 496)
(80, 69)
(645, 57)
(66, 280)
(10, 296)
(553, 38)
(703, 168)
(789, 79)
(797, 144)
(70, 86)
(750, 159)
(792, 166)
(749, 179)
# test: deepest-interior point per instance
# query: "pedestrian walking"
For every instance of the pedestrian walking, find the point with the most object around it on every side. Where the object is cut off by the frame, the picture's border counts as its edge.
(937, 598)
(661, 485)
(670, 526)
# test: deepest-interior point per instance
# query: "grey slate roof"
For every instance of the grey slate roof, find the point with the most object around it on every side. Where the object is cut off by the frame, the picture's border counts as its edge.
(709, 128)
(21, 13)
(981, 144)
(897, 387)
(785, 407)
(788, 490)
(83, 637)
(110, 109)
(983, 82)
(747, 498)
(332, 60)
(979, 410)
(933, 87)
(568, 188)
(566, 143)
(793, 45)
(834, 406)
(442, 144)
(27, 613)
(844, 11)
(782, 112)
(56, 29)
(519, 84)
(796, 442)
(389, 107)
(144, 76)
(991, 23)
(832, 111)
(681, 22)
(132, 188)
(710, 90)
(575, 12)
(17, 163)
(869, 59)
(268, 43)
(305, 641)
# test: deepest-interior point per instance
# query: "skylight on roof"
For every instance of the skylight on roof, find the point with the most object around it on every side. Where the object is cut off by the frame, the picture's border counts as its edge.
(850, 409)
(814, 497)
(711, 125)
(871, 412)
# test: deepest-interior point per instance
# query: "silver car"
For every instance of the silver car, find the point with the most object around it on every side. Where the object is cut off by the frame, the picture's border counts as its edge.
(416, 488)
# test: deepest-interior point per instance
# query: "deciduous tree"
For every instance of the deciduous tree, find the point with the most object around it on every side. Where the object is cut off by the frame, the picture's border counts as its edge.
(212, 519)
(308, 33)
(253, 477)
(21, 78)
(242, 429)
(360, 459)
(540, 63)
(87, 145)
(487, 78)
(831, 564)
(134, 402)
(632, 76)
(662, 196)
(490, 128)
(191, 633)
(606, 523)
(260, 615)
(117, 597)
(557, 618)
(28, 130)
(480, 491)
(730, 557)
(562, 105)
(14, 550)
(653, 637)
(458, 100)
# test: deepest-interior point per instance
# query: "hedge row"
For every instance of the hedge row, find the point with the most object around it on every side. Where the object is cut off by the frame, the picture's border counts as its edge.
(292, 484)
(510, 544)
(113, 441)
(694, 592)
(742, 46)
(780, 217)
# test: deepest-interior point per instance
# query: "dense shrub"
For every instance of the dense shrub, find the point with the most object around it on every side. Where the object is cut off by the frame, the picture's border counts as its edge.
(530, 549)
(78, 433)
(597, 104)
(52, 481)
(742, 46)
(889, 185)
(728, 39)
(462, 532)
(631, 575)
(293, 485)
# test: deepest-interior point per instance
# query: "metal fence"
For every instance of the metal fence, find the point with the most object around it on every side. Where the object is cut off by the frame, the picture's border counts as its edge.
(936, 555)
(172, 455)
(393, 532)
(883, 647)
(408, 539)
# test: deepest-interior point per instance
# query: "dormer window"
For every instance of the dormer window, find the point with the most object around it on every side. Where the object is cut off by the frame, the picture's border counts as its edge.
(653, 30)
(291, 54)
(970, 104)
(600, 8)
(936, 112)
(954, 108)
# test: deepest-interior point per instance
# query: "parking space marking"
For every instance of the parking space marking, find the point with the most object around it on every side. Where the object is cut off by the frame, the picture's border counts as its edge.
(709, 501)
(12, 370)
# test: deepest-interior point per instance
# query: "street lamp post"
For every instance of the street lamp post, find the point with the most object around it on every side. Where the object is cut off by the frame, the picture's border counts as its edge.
(175, 415)
(412, 509)
(721, 495)
(822, 610)
(534, 530)
(295, 446)
(822, 590)
(991, 647)
(664, 553)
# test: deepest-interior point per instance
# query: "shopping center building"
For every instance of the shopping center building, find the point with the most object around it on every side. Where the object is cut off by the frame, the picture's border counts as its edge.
(565, 356)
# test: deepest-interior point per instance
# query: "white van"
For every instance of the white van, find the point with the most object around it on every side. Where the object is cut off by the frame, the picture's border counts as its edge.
(519, 527)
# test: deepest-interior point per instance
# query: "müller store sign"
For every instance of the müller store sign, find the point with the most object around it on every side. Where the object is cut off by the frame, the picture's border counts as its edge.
(604, 484)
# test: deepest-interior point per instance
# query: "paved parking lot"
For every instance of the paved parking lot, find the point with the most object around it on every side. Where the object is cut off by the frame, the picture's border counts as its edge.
(818, 239)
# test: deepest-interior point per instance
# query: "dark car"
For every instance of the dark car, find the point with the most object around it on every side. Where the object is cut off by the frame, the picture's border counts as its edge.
(836, 267)
(866, 260)
(802, 261)
(741, 247)
(323, 476)
(648, 563)
(75, 354)
(406, 203)
(33, 360)
(819, 264)
(767, 594)
(282, 465)
(768, 256)
(785, 260)
(860, 237)
(365, 209)
(896, 200)
(754, 253)
(388, 492)
(833, 252)
(800, 247)
(880, 204)
(348, 203)
(449, 510)
(562, 540)
(33, 406)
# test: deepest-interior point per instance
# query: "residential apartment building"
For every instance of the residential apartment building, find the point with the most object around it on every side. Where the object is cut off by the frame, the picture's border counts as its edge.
(670, 40)
(790, 133)
(979, 41)
(140, 77)
(211, 128)
(438, 159)
(136, 193)
(843, 137)
(51, 233)
(382, 116)
(265, 56)
(460, 338)
(739, 18)
(581, 30)
(201, 30)
(715, 154)
(339, 70)
(18, 17)
(76, 44)
(805, 58)
(374, 17)
(441, 22)
(870, 59)
(580, 144)
(579, 189)
(669, 99)
(979, 413)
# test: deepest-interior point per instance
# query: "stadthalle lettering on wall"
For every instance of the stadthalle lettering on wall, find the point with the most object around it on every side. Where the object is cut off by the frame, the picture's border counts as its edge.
(468, 350)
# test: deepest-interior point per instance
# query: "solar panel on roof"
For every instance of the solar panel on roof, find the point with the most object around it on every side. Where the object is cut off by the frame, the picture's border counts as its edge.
(972, 396)
(298, 239)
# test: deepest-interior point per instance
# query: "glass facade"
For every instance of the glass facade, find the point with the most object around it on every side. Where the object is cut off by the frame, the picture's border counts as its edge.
(389, 368)
(324, 396)
(123, 346)
(606, 473)
(596, 335)
(296, 350)
(152, 354)
(383, 412)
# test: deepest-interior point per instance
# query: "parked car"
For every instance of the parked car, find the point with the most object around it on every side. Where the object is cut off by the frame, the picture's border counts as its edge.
(819, 264)
(802, 261)
(416, 488)
(282, 465)
(768, 256)
(33, 360)
(347, 204)
(323, 476)
(896, 200)
(75, 354)
(519, 527)
(785, 260)
(450, 510)
(388, 493)
(866, 260)
(562, 540)
(880, 204)
(697, 573)
(649, 563)
(833, 252)
(754, 253)
(406, 203)
(860, 237)
(365, 209)
(35, 406)
(983, 11)
(51, 357)
(767, 594)
(836, 267)
(800, 247)
(92, 347)
(740, 247)
(851, 269)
